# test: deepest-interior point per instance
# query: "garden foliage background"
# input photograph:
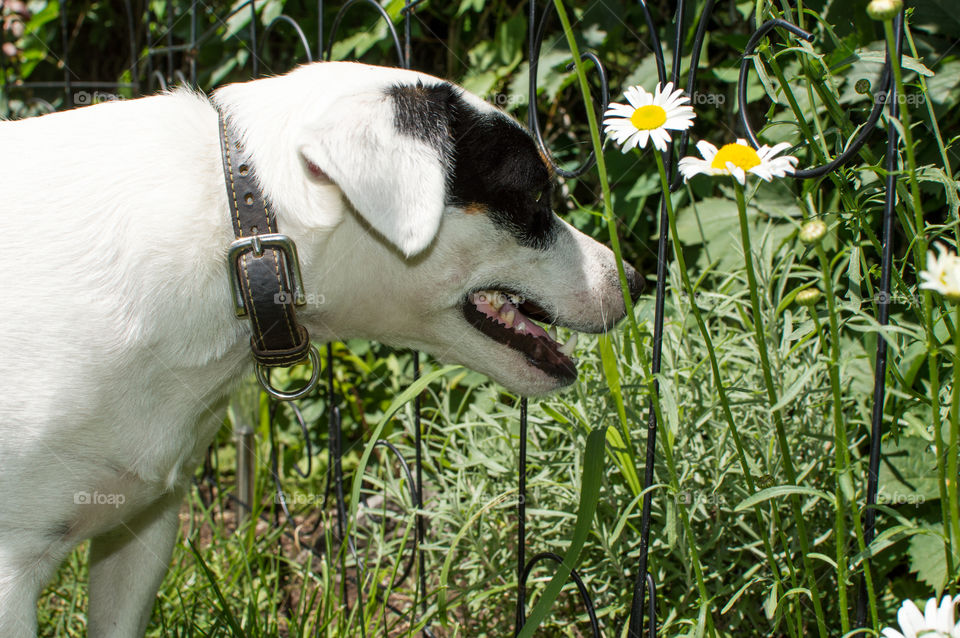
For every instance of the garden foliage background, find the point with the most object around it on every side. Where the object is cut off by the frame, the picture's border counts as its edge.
(722, 566)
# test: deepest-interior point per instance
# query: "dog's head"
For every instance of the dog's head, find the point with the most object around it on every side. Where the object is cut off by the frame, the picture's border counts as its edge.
(426, 222)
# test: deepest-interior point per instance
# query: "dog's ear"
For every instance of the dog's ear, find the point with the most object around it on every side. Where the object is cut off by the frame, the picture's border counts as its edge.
(391, 154)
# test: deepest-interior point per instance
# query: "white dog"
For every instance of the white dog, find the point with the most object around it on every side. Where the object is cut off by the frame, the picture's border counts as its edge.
(422, 218)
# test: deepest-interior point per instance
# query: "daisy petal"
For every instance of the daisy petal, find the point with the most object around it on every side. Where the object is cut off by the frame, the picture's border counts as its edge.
(707, 150)
(634, 96)
(737, 172)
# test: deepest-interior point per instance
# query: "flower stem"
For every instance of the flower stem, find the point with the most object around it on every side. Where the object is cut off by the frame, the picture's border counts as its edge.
(953, 451)
(947, 482)
(727, 412)
(841, 445)
(667, 444)
(785, 451)
(601, 163)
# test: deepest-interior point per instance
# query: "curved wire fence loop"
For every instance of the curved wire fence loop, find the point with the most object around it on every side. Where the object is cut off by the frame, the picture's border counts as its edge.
(33, 101)
(575, 577)
(285, 19)
(382, 13)
(651, 605)
(351, 542)
(854, 146)
(161, 82)
(533, 119)
(695, 52)
(180, 78)
(298, 415)
(412, 489)
(655, 41)
(279, 497)
(758, 35)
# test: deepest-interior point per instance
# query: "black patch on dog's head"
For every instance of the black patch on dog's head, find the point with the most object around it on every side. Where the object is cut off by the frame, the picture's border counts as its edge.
(497, 166)
(424, 113)
(493, 164)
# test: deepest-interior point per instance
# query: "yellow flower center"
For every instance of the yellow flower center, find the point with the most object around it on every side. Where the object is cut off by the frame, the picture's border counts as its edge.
(738, 155)
(647, 118)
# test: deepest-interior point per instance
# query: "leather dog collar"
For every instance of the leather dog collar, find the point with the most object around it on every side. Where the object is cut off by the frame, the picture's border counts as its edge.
(264, 270)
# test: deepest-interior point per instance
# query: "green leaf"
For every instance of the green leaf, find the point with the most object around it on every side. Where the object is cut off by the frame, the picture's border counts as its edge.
(553, 414)
(470, 5)
(802, 383)
(909, 63)
(738, 594)
(951, 187)
(451, 552)
(885, 539)
(624, 461)
(781, 490)
(622, 447)
(937, 16)
(944, 87)
(405, 397)
(907, 472)
(823, 557)
(510, 38)
(710, 218)
(928, 561)
(589, 495)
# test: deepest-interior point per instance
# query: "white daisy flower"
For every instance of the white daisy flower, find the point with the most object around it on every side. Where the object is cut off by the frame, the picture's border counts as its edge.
(942, 274)
(648, 116)
(739, 159)
(934, 622)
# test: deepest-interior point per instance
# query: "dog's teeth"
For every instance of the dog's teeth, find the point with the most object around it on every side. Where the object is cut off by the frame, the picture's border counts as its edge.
(515, 300)
(521, 327)
(552, 332)
(496, 299)
(509, 317)
(567, 348)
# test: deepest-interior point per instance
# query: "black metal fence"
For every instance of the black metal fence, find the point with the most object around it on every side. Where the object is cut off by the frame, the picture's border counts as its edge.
(164, 62)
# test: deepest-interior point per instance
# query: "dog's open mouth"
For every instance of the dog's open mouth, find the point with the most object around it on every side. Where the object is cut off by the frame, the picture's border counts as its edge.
(498, 315)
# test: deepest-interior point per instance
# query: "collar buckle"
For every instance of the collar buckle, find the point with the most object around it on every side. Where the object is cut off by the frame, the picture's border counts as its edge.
(290, 263)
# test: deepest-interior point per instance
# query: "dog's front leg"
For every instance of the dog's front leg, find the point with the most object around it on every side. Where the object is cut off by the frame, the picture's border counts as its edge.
(127, 565)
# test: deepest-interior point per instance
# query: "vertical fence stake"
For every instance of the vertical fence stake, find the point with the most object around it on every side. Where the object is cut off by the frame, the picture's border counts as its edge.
(421, 559)
(883, 317)
(642, 577)
(521, 521)
(246, 472)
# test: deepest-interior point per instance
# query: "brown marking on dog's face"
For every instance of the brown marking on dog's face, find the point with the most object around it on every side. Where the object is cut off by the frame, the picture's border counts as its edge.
(546, 162)
(475, 208)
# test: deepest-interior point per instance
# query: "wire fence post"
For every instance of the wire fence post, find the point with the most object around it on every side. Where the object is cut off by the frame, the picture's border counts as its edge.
(246, 471)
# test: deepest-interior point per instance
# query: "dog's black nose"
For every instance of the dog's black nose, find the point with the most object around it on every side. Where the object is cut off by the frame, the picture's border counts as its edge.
(634, 281)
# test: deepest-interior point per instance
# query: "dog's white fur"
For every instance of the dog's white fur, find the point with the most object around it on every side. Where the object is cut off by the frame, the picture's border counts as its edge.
(119, 343)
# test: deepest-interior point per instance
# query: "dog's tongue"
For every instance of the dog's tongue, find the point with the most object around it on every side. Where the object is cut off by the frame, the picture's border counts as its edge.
(502, 308)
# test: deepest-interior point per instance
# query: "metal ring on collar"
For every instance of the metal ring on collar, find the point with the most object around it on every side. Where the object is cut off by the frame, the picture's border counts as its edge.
(263, 376)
